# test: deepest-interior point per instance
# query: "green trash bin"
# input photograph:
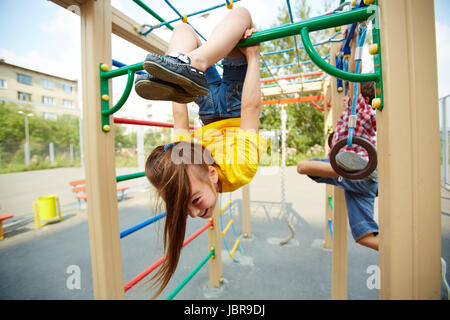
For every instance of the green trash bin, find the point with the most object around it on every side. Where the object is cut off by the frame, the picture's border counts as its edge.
(46, 209)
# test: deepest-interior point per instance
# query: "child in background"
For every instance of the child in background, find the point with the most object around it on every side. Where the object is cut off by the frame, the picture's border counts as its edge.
(359, 194)
(219, 157)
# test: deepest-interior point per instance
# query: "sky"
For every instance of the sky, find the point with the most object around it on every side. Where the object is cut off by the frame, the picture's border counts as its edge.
(40, 35)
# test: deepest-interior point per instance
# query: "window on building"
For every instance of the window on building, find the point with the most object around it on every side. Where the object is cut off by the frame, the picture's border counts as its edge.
(67, 88)
(48, 100)
(68, 103)
(3, 84)
(23, 96)
(49, 116)
(23, 78)
(48, 84)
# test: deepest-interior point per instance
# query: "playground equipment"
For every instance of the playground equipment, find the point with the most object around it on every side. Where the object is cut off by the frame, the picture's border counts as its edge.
(408, 141)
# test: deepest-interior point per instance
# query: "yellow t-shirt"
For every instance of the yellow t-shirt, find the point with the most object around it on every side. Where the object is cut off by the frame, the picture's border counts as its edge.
(235, 151)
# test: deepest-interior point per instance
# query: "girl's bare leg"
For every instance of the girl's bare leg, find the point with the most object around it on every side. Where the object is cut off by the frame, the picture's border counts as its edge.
(223, 39)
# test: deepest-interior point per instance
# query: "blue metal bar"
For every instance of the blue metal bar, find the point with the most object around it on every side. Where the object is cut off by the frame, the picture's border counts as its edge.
(181, 16)
(295, 37)
(141, 225)
(119, 64)
(189, 15)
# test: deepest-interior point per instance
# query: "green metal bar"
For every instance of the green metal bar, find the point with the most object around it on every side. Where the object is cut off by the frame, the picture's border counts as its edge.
(121, 71)
(377, 58)
(328, 68)
(124, 97)
(313, 24)
(153, 13)
(189, 277)
(130, 176)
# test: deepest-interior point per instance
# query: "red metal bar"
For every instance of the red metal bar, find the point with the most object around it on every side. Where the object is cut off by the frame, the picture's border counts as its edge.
(306, 75)
(157, 263)
(146, 123)
(293, 100)
(316, 105)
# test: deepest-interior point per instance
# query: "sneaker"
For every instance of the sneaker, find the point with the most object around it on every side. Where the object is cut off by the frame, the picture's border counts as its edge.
(151, 88)
(176, 68)
(351, 162)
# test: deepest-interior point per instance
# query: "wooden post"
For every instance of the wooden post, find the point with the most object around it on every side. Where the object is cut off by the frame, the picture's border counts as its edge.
(409, 153)
(106, 256)
(328, 124)
(246, 216)
(215, 241)
(339, 214)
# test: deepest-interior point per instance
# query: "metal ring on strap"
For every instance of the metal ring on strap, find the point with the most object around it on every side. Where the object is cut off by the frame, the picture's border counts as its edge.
(330, 139)
(370, 167)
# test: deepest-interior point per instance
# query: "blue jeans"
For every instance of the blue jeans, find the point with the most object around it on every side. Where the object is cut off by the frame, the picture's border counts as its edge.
(360, 199)
(224, 98)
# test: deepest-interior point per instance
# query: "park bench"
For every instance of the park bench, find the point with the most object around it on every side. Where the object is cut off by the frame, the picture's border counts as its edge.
(79, 189)
(3, 216)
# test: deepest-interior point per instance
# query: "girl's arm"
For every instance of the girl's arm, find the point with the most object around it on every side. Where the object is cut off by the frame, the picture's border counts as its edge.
(251, 91)
(181, 120)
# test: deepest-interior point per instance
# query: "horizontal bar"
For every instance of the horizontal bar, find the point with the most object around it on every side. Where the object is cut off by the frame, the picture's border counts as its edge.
(293, 100)
(224, 232)
(122, 71)
(130, 176)
(141, 225)
(313, 24)
(146, 123)
(157, 263)
(190, 276)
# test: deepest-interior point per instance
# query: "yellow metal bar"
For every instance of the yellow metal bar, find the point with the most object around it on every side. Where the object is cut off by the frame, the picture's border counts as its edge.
(234, 247)
(224, 232)
(225, 207)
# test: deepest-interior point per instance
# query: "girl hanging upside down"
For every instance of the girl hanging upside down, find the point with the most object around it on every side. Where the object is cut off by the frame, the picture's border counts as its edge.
(223, 155)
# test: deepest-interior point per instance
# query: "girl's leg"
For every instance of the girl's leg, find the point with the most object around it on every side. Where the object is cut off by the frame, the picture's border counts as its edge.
(370, 241)
(223, 39)
(184, 39)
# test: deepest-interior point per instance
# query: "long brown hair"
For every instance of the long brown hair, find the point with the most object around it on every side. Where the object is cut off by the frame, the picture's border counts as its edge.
(166, 169)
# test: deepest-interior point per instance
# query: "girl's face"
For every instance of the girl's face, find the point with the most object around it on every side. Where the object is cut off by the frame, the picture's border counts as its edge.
(203, 192)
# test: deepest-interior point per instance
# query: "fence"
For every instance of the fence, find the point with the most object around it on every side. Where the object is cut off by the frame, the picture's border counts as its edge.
(41, 155)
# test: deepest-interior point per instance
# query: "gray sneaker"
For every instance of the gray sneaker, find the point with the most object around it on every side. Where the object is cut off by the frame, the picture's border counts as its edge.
(151, 88)
(176, 68)
(351, 162)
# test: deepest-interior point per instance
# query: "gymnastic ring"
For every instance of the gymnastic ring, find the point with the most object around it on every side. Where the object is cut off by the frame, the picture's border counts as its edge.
(330, 139)
(358, 175)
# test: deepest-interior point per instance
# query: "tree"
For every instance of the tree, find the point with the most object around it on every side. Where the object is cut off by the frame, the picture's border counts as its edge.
(304, 122)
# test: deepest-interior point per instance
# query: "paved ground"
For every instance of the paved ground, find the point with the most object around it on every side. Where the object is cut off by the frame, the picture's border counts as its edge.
(36, 264)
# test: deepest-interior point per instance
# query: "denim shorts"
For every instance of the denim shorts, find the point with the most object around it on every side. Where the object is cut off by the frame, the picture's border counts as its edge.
(360, 198)
(224, 98)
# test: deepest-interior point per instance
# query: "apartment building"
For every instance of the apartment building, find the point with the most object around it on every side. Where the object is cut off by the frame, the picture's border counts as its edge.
(48, 95)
